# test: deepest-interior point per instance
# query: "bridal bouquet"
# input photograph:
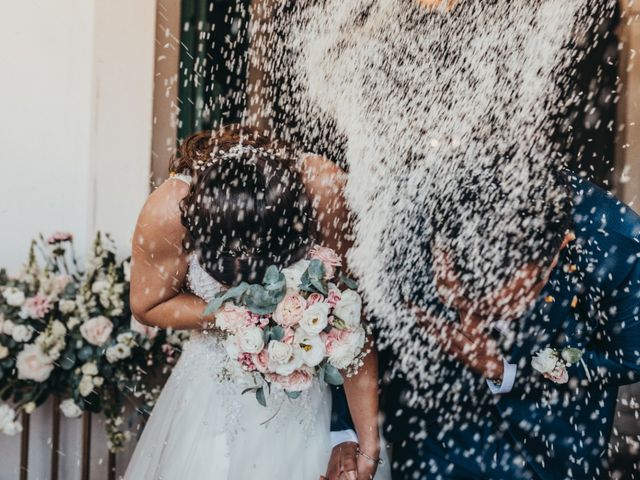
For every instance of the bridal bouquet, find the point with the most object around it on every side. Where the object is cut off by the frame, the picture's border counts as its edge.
(296, 326)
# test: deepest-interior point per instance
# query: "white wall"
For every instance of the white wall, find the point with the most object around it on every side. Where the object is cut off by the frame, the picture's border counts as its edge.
(45, 89)
(76, 96)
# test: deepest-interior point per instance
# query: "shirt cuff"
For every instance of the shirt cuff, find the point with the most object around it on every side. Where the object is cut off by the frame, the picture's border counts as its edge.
(343, 436)
(508, 379)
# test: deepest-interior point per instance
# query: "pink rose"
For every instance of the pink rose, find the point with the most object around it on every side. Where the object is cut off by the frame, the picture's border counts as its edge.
(33, 364)
(334, 297)
(335, 336)
(290, 309)
(298, 381)
(37, 307)
(59, 237)
(261, 361)
(329, 259)
(314, 298)
(289, 336)
(231, 318)
(97, 330)
(142, 329)
(558, 375)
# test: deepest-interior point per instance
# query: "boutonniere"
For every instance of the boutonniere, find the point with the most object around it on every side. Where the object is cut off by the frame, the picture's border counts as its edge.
(553, 363)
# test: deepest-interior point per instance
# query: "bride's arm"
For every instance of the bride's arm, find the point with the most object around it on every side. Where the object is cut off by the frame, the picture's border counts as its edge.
(325, 183)
(160, 264)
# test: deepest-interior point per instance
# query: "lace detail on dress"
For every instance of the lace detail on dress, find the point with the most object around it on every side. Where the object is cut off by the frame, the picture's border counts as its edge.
(200, 282)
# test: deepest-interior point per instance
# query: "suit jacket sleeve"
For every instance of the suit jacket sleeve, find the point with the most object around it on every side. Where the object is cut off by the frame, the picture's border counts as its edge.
(612, 356)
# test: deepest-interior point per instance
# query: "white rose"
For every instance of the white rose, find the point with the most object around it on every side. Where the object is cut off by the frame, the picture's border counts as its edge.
(344, 351)
(67, 306)
(70, 409)
(545, 361)
(313, 348)
(29, 407)
(284, 359)
(21, 333)
(73, 322)
(86, 386)
(14, 297)
(89, 368)
(4, 352)
(349, 308)
(33, 364)
(7, 327)
(251, 340)
(117, 352)
(8, 423)
(293, 274)
(315, 318)
(97, 330)
(100, 286)
(126, 339)
(58, 329)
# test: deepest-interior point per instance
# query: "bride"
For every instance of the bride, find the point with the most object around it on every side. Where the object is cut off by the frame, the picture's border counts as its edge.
(236, 203)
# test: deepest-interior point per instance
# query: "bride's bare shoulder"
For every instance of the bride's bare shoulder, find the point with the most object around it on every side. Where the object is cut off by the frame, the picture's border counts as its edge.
(161, 212)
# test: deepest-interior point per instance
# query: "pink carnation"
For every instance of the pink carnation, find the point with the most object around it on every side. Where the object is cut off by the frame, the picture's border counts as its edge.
(314, 298)
(37, 307)
(261, 361)
(59, 237)
(247, 363)
(329, 259)
(333, 298)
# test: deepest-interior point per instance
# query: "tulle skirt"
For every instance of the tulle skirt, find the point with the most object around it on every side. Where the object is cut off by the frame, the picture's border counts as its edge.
(203, 427)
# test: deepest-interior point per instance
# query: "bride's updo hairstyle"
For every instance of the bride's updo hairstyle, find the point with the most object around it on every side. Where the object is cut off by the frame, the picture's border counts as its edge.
(247, 207)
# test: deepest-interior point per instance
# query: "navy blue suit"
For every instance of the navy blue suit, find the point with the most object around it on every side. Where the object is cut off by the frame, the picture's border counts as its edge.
(540, 430)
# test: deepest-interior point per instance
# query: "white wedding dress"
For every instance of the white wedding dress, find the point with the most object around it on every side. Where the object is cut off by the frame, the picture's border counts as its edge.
(204, 428)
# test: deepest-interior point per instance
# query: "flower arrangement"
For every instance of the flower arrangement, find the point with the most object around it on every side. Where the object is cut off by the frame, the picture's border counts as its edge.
(296, 326)
(553, 364)
(69, 332)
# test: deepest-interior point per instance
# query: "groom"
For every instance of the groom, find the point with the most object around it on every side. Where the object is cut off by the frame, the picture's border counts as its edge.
(497, 417)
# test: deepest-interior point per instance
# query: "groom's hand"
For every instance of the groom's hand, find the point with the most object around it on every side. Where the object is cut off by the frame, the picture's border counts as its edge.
(469, 343)
(343, 462)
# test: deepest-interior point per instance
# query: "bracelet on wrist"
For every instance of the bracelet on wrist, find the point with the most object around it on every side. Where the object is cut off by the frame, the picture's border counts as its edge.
(377, 461)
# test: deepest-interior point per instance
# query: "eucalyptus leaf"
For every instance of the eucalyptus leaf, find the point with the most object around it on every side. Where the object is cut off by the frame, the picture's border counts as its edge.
(571, 355)
(85, 353)
(234, 293)
(332, 376)
(293, 395)
(320, 285)
(277, 333)
(67, 360)
(247, 390)
(349, 282)
(261, 397)
(259, 301)
(315, 270)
